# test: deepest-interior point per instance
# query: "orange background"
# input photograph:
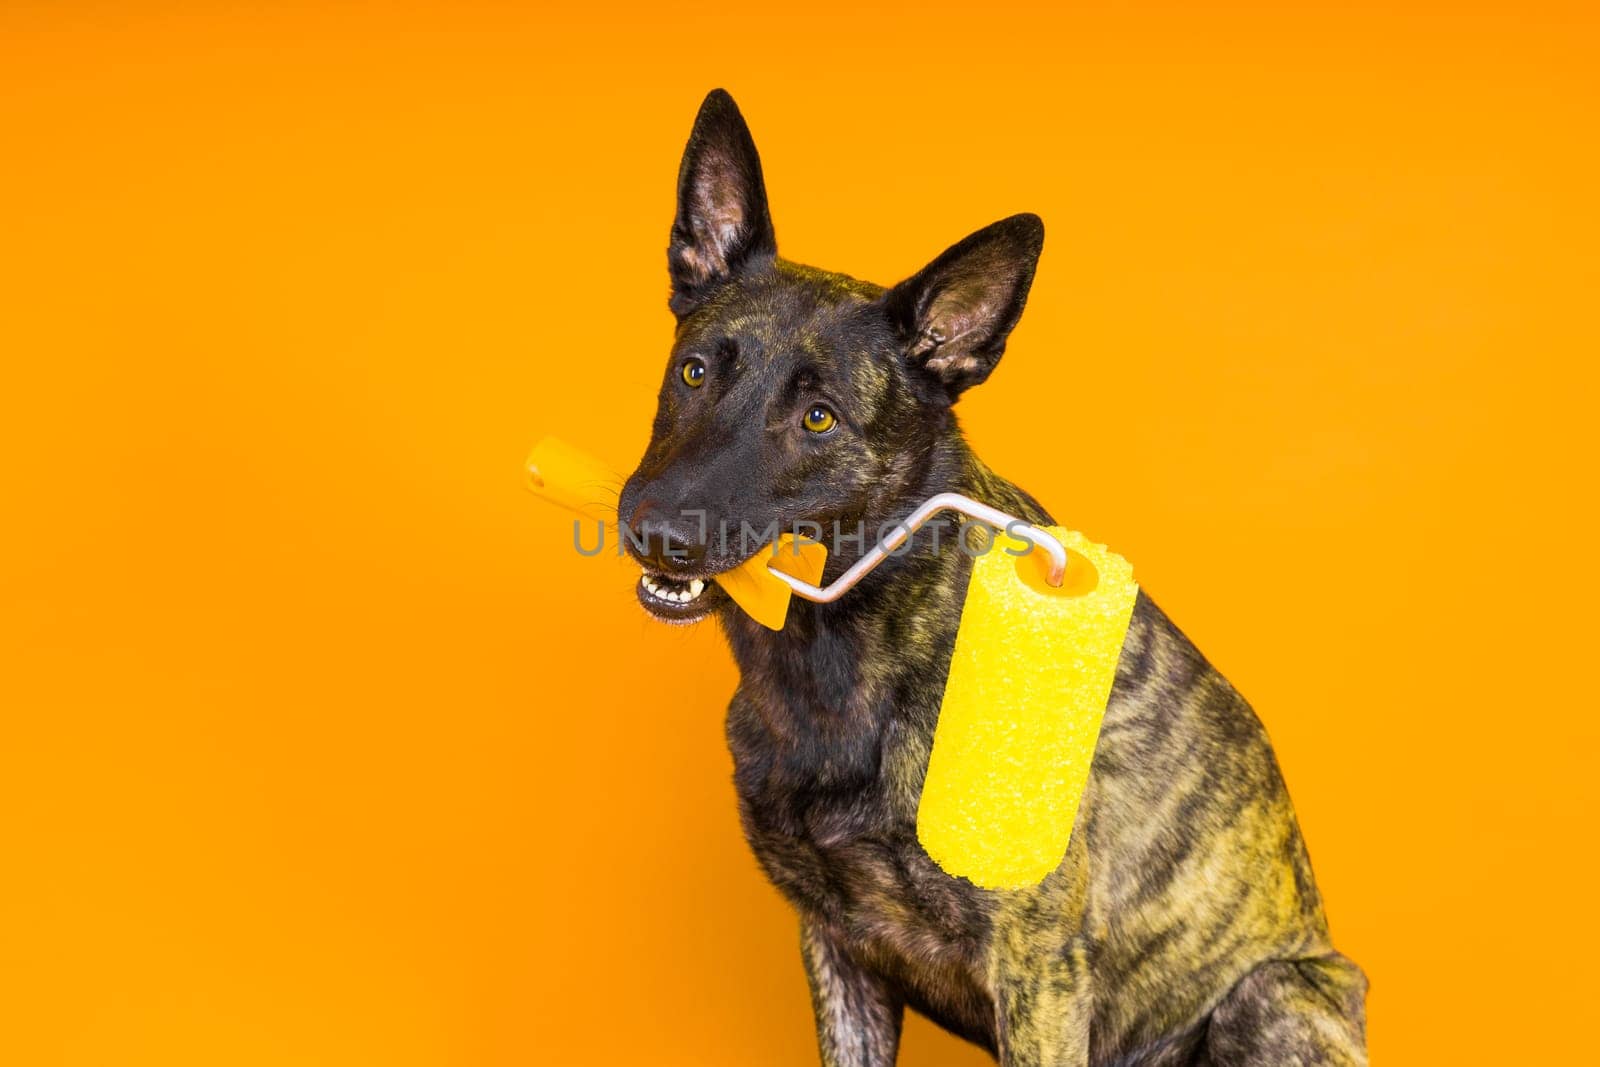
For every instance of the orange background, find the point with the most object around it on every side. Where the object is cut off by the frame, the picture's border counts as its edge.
(321, 746)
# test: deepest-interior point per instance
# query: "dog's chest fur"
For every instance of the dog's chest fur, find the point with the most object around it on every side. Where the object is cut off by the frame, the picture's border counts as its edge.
(830, 732)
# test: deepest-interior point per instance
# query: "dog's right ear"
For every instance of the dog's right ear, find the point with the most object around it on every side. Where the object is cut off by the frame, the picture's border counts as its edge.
(722, 224)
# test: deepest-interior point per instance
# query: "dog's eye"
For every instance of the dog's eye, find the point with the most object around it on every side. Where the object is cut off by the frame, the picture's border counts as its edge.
(694, 373)
(819, 419)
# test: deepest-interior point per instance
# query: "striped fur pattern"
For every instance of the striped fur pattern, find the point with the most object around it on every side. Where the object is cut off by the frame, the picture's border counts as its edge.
(1183, 925)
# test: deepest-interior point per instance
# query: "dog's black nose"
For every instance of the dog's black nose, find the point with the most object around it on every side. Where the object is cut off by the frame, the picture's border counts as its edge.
(664, 540)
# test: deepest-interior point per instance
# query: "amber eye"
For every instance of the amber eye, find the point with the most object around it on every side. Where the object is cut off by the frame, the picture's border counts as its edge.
(819, 419)
(694, 373)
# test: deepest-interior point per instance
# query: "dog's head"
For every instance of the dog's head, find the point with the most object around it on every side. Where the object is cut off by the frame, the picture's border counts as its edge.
(794, 395)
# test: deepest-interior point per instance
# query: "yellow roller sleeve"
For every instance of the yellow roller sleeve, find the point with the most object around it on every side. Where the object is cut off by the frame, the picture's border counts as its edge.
(1029, 682)
(571, 478)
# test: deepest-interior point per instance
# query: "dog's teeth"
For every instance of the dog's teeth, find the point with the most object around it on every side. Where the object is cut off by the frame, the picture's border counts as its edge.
(671, 590)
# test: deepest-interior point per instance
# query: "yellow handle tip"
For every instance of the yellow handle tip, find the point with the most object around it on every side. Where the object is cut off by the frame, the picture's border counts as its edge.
(573, 479)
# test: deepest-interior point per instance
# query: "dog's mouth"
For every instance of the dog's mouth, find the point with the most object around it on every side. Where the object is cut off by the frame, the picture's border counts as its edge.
(678, 600)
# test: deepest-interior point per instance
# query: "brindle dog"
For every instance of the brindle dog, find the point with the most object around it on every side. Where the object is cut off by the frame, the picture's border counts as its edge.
(1183, 925)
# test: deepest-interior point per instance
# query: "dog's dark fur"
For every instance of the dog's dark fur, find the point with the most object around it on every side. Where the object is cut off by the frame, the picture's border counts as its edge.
(1183, 925)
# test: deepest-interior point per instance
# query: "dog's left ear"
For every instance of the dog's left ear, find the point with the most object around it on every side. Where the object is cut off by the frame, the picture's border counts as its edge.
(955, 314)
(722, 222)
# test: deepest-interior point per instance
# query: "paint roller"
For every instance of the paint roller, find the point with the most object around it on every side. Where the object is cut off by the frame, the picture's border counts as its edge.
(1036, 651)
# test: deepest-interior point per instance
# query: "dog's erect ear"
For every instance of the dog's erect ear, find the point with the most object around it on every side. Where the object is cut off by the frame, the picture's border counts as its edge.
(954, 315)
(722, 223)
